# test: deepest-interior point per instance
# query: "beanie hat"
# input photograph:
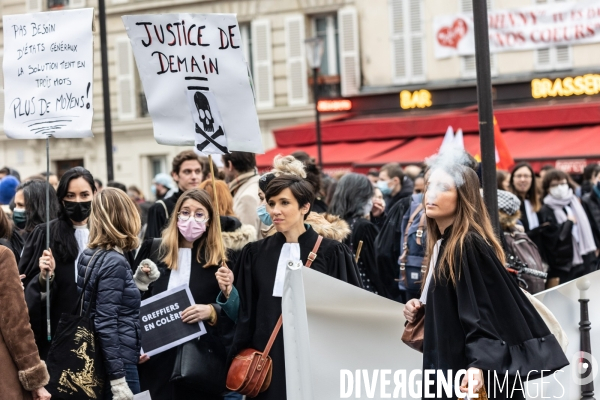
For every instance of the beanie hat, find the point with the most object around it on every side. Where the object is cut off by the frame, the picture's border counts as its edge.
(164, 179)
(8, 188)
(508, 202)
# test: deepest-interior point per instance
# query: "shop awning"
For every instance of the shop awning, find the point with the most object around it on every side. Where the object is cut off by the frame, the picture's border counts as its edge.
(336, 155)
(524, 145)
(423, 124)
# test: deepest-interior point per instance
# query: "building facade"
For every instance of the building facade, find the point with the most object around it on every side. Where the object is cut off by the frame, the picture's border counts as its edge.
(374, 51)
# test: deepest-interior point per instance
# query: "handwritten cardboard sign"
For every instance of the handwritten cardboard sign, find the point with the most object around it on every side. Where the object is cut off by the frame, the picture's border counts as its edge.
(526, 28)
(177, 53)
(48, 74)
(160, 319)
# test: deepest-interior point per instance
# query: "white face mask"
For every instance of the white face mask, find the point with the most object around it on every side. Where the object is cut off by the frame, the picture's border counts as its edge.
(368, 207)
(561, 192)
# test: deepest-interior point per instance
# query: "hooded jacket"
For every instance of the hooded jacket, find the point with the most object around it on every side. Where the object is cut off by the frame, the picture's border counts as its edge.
(115, 309)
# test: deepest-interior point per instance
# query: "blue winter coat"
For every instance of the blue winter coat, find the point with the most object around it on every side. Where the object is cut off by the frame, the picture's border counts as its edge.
(116, 309)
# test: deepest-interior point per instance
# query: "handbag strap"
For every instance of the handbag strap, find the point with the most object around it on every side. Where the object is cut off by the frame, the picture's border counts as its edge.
(311, 257)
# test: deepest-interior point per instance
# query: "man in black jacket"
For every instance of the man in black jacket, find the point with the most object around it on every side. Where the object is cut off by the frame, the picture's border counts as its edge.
(393, 184)
(187, 173)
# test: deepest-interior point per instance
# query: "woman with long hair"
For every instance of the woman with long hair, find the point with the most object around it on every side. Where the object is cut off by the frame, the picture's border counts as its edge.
(260, 270)
(475, 316)
(353, 201)
(69, 235)
(30, 206)
(191, 253)
(523, 183)
(110, 294)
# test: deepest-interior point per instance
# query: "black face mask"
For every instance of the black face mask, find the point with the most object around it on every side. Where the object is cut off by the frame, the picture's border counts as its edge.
(78, 212)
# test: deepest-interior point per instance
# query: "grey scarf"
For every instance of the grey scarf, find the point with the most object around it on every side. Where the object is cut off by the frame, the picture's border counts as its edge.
(583, 239)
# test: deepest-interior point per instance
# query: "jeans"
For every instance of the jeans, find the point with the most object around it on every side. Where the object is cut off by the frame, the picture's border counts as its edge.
(131, 377)
(233, 396)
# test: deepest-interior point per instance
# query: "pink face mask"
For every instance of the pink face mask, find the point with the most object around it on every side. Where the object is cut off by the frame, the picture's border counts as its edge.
(191, 229)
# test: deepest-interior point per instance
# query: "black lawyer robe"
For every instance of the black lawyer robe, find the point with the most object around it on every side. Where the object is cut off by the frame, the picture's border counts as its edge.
(155, 373)
(365, 231)
(63, 288)
(259, 311)
(485, 321)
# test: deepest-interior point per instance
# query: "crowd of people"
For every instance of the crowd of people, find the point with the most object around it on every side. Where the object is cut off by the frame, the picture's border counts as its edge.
(386, 231)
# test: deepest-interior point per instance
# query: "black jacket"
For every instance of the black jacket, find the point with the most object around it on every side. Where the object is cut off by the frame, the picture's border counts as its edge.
(554, 241)
(591, 205)
(406, 190)
(485, 321)
(387, 245)
(116, 308)
(158, 217)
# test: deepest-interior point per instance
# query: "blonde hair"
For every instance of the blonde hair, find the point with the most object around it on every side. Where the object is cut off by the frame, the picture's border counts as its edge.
(210, 241)
(471, 216)
(114, 221)
(288, 165)
(225, 199)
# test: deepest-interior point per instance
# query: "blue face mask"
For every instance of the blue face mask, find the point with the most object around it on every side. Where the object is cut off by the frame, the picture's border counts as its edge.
(153, 190)
(263, 215)
(385, 189)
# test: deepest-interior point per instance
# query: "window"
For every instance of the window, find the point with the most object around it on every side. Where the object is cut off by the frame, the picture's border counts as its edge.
(340, 65)
(262, 63)
(126, 98)
(158, 165)
(63, 166)
(246, 32)
(408, 44)
(553, 58)
(468, 69)
(326, 27)
(58, 4)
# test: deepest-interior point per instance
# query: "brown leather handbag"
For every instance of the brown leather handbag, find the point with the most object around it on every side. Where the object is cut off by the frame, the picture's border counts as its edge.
(414, 332)
(251, 370)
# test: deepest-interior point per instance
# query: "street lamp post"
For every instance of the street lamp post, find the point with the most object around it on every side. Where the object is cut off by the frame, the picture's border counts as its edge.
(314, 53)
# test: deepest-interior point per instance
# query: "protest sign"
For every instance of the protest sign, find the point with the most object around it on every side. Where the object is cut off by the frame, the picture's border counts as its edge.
(526, 28)
(160, 319)
(176, 53)
(48, 74)
(367, 357)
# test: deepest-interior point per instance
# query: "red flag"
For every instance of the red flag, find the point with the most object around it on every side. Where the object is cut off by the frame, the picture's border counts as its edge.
(503, 158)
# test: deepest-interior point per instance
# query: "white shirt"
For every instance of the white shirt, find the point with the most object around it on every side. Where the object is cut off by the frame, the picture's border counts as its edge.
(290, 253)
(181, 275)
(532, 217)
(82, 236)
(432, 262)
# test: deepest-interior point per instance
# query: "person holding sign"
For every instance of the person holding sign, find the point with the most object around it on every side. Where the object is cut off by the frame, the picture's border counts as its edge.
(190, 252)
(111, 294)
(260, 272)
(68, 238)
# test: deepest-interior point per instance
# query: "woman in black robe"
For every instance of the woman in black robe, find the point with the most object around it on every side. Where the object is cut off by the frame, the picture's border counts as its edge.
(353, 201)
(476, 317)
(190, 253)
(289, 200)
(68, 238)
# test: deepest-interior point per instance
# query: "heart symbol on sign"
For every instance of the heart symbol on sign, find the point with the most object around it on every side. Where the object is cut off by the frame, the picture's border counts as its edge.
(449, 36)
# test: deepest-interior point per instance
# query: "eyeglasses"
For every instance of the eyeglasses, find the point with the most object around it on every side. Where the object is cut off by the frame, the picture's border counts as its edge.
(522, 176)
(198, 216)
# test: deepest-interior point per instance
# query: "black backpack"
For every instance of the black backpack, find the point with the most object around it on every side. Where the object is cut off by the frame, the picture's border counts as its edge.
(412, 260)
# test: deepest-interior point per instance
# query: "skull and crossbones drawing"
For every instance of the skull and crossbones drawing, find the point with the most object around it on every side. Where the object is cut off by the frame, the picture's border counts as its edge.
(207, 119)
